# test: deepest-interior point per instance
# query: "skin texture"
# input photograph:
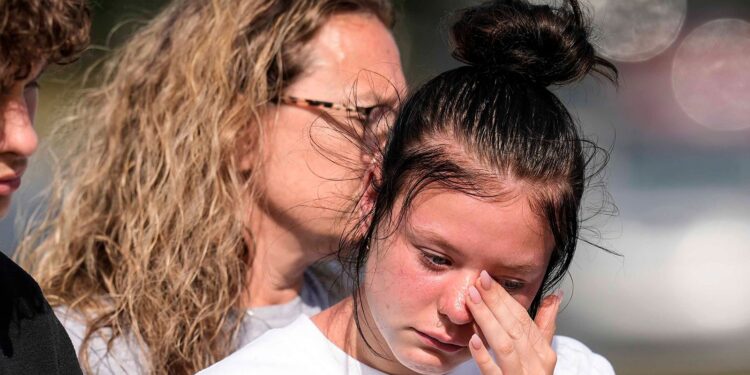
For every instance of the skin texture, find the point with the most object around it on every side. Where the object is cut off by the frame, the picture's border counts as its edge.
(311, 170)
(418, 281)
(18, 139)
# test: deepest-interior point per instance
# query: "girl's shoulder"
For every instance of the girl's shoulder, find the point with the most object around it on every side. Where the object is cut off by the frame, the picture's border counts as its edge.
(299, 348)
(302, 348)
(573, 357)
(124, 356)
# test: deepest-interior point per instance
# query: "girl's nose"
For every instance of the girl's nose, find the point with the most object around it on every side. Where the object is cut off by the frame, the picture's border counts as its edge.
(452, 303)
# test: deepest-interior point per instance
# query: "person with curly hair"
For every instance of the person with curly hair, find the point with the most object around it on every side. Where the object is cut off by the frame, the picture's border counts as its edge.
(216, 162)
(33, 34)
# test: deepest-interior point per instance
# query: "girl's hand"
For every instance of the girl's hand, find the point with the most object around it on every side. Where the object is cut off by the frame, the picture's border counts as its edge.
(522, 346)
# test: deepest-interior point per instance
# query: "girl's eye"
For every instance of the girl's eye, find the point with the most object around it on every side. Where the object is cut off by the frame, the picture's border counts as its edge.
(511, 285)
(435, 261)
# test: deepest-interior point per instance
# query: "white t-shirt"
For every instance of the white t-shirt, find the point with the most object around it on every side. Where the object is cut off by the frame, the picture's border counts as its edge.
(125, 356)
(301, 348)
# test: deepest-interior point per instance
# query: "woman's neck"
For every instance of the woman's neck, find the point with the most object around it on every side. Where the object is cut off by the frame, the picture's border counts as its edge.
(279, 260)
(338, 325)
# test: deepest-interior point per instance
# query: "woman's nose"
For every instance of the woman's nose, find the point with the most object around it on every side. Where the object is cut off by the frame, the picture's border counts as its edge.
(17, 134)
(452, 304)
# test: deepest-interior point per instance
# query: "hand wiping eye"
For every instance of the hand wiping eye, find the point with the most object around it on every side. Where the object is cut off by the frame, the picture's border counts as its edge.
(520, 344)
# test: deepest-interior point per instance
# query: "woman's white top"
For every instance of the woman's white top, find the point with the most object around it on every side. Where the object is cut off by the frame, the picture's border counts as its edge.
(301, 348)
(125, 356)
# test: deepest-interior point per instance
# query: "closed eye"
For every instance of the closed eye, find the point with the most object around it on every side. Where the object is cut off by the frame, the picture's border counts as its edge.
(374, 116)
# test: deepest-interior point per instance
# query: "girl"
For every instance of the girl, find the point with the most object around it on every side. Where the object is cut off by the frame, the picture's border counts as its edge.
(470, 223)
(200, 186)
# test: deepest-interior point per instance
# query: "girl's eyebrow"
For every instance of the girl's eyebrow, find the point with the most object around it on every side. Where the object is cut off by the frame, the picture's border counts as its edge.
(433, 237)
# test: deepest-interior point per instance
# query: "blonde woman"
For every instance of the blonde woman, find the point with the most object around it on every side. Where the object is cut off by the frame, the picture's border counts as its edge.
(213, 166)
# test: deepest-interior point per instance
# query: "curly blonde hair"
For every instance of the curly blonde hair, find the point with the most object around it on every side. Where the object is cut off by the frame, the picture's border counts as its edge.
(145, 228)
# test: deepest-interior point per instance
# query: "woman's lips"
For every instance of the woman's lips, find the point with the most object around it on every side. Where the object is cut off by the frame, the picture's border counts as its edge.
(9, 185)
(438, 344)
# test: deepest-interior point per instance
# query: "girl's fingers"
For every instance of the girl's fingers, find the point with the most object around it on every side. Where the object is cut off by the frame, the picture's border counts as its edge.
(546, 316)
(546, 321)
(508, 311)
(517, 325)
(504, 347)
(482, 357)
(532, 346)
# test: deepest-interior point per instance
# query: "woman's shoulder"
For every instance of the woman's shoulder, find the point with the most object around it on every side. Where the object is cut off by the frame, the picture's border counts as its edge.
(122, 355)
(573, 357)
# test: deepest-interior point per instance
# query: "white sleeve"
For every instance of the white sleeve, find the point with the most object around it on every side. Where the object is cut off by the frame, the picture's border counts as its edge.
(123, 357)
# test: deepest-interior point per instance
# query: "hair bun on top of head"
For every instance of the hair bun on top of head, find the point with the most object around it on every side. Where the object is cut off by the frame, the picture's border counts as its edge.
(543, 44)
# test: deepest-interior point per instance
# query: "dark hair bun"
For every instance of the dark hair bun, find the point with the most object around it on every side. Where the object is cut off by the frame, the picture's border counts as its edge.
(545, 45)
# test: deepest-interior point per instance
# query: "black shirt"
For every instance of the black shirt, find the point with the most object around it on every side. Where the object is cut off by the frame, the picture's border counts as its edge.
(32, 340)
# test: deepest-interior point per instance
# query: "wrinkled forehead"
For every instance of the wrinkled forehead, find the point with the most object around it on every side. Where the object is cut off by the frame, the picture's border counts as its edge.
(353, 57)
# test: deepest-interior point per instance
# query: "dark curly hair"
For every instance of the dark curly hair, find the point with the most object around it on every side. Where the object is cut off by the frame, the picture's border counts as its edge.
(31, 31)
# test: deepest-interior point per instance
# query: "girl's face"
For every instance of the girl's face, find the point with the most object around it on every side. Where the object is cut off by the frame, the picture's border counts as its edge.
(416, 278)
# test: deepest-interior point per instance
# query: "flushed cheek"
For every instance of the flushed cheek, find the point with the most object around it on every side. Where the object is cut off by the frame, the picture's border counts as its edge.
(403, 296)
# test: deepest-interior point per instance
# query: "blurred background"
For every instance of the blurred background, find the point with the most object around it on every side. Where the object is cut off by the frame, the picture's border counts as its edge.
(677, 300)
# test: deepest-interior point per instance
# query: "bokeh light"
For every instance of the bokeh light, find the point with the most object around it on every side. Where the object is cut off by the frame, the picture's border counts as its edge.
(637, 30)
(712, 260)
(711, 74)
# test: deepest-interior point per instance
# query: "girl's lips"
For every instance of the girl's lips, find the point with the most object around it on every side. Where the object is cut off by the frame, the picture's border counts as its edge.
(9, 185)
(440, 345)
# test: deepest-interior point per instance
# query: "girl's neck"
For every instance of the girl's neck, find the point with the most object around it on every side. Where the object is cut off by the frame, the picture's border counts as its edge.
(338, 325)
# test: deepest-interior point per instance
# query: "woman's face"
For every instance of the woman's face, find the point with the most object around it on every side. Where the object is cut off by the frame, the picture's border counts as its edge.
(416, 279)
(17, 136)
(311, 170)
